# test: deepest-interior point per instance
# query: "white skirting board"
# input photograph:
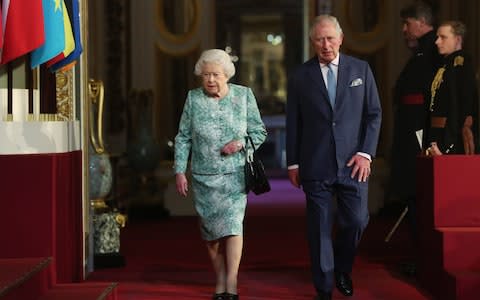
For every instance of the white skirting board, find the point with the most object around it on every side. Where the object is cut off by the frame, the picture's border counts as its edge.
(36, 137)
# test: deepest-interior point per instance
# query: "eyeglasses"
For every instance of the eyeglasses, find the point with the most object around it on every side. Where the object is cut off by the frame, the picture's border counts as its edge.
(214, 75)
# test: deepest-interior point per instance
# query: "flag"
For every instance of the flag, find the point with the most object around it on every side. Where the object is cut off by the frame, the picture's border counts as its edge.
(74, 13)
(23, 27)
(65, 67)
(69, 41)
(54, 33)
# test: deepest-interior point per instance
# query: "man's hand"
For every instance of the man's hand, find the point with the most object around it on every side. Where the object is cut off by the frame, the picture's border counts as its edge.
(467, 136)
(182, 184)
(433, 150)
(361, 167)
(468, 143)
(294, 177)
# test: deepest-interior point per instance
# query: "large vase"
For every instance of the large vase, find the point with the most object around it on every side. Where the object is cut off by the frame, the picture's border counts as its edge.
(100, 175)
(143, 150)
(100, 167)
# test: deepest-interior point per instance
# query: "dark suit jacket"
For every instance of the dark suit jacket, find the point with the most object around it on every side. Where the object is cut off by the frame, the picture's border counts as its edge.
(321, 140)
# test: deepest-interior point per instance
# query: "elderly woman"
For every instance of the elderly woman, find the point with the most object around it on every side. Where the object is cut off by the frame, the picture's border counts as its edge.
(215, 121)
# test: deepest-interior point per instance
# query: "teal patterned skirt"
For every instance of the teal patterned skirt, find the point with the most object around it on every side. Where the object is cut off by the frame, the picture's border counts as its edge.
(220, 201)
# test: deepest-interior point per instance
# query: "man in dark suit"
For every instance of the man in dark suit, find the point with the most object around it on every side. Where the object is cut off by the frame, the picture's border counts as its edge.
(411, 100)
(331, 141)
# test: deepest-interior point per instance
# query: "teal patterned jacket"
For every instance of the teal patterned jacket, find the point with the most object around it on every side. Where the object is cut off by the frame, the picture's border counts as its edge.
(206, 125)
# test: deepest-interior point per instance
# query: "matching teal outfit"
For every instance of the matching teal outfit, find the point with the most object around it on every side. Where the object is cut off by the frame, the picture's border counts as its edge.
(218, 182)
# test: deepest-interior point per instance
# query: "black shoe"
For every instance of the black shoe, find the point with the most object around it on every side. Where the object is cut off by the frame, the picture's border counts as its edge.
(408, 269)
(228, 296)
(220, 296)
(344, 283)
(324, 296)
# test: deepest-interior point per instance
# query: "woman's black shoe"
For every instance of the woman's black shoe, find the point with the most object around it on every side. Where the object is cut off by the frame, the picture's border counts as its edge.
(228, 296)
(219, 296)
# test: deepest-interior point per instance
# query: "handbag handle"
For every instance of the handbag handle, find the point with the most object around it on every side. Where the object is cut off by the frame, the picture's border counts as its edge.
(249, 138)
(249, 157)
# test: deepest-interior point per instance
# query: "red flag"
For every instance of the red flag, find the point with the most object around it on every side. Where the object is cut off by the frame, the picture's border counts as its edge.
(24, 29)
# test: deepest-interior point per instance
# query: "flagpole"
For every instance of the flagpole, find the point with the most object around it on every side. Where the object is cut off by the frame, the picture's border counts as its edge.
(29, 80)
(9, 87)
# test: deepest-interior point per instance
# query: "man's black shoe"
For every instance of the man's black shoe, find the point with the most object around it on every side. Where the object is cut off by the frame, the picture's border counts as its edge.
(409, 269)
(344, 283)
(324, 296)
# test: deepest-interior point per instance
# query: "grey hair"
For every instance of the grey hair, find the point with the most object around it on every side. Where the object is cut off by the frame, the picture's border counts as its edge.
(216, 56)
(417, 11)
(325, 18)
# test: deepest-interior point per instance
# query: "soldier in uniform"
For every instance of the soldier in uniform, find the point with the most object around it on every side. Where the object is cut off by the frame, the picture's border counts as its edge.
(411, 99)
(454, 96)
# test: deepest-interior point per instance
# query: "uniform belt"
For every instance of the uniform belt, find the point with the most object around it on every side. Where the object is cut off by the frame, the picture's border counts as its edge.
(412, 99)
(438, 122)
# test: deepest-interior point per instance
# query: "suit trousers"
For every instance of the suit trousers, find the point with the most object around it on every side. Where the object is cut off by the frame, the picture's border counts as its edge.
(334, 252)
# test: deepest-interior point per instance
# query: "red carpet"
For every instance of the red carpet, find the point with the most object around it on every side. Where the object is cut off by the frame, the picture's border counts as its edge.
(165, 259)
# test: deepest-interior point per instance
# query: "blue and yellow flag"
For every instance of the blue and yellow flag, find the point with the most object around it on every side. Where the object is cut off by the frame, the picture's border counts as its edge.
(54, 33)
(74, 13)
(69, 40)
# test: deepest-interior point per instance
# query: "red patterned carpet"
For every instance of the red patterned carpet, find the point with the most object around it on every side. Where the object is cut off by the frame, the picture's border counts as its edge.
(165, 259)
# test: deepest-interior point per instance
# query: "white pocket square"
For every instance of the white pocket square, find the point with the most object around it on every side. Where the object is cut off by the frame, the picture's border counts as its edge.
(356, 82)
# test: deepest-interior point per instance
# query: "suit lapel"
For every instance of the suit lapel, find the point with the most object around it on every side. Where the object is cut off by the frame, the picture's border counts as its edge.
(342, 80)
(315, 72)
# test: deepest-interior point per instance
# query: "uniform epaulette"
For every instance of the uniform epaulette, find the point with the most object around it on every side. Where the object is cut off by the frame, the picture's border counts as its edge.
(458, 61)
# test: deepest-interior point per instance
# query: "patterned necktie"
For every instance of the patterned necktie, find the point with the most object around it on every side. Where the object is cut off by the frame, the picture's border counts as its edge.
(331, 85)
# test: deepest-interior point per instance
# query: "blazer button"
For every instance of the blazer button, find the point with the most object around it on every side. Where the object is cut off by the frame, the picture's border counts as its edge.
(334, 124)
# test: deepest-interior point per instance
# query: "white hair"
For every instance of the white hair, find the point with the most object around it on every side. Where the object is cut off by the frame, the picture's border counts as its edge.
(216, 56)
(325, 18)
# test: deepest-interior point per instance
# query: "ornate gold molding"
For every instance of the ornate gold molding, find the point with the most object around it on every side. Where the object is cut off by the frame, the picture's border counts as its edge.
(365, 42)
(96, 97)
(179, 44)
(65, 92)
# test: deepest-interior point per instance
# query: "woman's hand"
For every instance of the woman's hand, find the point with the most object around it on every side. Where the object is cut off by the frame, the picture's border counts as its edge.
(232, 147)
(361, 167)
(182, 184)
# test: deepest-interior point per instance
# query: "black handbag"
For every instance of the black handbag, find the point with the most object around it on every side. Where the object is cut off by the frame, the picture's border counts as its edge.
(255, 178)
